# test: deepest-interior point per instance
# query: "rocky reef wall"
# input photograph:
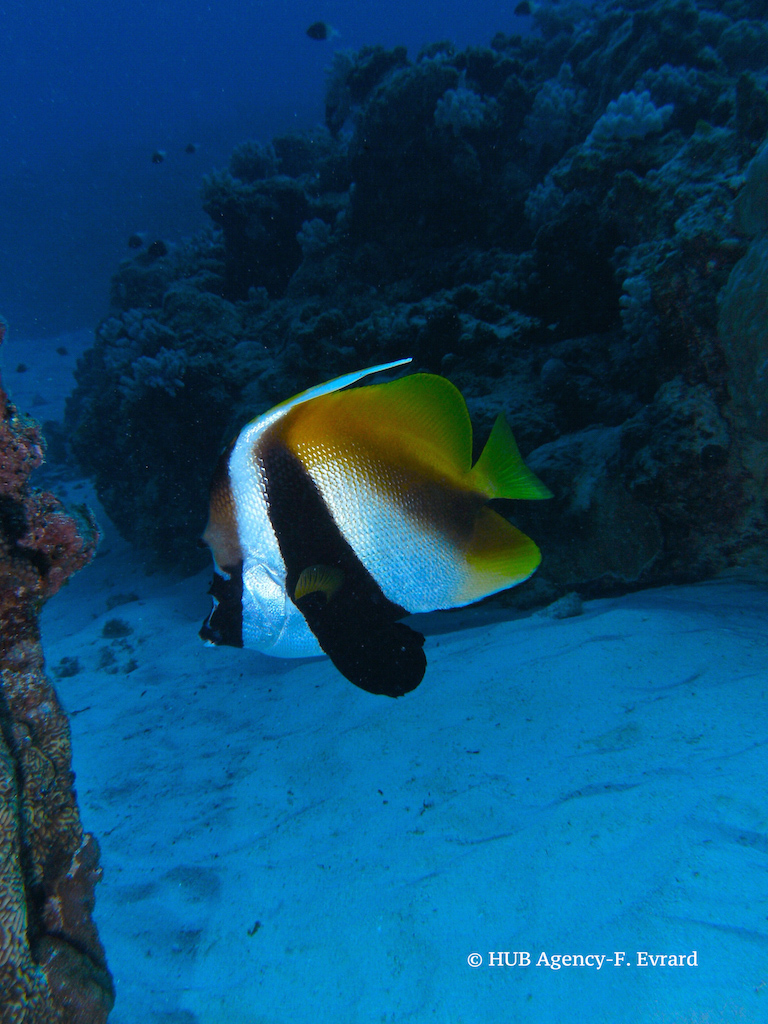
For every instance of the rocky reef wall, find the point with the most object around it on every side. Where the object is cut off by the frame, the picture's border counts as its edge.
(550, 221)
(52, 965)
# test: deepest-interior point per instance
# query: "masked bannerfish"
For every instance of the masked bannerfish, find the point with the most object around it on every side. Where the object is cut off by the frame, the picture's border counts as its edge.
(338, 512)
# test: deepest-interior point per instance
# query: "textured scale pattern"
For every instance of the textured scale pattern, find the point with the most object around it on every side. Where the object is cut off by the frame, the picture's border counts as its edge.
(420, 571)
(271, 622)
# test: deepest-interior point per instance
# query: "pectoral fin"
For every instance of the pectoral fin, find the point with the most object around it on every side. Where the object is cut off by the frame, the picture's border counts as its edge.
(318, 579)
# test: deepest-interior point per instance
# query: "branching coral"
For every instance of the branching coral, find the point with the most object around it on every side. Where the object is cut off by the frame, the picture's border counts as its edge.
(314, 237)
(165, 372)
(459, 109)
(744, 45)
(637, 315)
(252, 161)
(556, 110)
(543, 203)
(632, 116)
(353, 76)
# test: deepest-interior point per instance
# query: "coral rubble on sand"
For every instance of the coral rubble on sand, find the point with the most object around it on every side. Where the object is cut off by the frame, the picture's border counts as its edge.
(52, 965)
(548, 221)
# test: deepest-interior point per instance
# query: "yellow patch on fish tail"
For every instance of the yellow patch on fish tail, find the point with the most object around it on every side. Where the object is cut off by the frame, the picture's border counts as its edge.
(498, 556)
(500, 471)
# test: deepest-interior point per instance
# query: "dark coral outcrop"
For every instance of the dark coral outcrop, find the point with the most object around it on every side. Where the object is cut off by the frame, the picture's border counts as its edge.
(52, 965)
(549, 221)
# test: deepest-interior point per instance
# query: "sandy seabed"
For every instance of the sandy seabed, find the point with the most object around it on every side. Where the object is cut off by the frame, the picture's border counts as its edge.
(281, 846)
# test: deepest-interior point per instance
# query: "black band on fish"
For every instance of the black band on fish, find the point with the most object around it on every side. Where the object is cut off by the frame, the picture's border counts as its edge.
(358, 628)
(224, 625)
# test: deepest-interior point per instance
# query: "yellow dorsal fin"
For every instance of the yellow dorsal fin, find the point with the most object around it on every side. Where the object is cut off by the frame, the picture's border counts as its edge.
(421, 416)
(433, 413)
(500, 471)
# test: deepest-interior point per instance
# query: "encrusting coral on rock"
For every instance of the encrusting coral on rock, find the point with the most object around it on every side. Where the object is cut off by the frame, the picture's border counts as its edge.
(52, 965)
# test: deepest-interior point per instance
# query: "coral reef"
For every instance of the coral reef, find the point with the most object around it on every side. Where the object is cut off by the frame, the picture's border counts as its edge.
(744, 334)
(553, 122)
(549, 221)
(52, 965)
(752, 204)
(460, 108)
(632, 116)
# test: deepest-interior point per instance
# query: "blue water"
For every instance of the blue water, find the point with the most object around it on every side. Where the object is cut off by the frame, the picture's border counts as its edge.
(89, 90)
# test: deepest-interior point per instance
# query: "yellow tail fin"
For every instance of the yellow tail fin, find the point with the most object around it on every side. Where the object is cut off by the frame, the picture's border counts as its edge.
(498, 556)
(500, 471)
